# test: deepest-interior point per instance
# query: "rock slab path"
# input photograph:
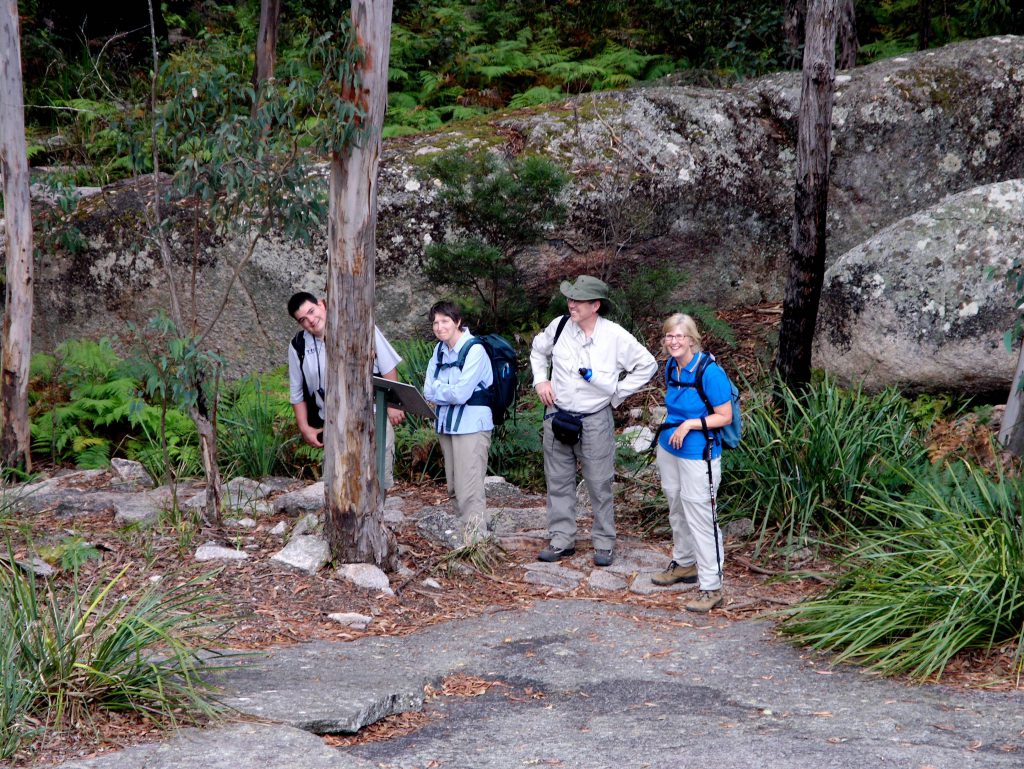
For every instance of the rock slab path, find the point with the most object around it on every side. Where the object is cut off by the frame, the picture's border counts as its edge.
(591, 685)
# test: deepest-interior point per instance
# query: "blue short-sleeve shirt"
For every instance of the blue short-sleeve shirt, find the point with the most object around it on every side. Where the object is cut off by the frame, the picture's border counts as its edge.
(684, 403)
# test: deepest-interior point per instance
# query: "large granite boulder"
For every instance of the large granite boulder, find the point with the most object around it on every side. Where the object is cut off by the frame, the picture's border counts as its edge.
(701, 177)
(924, 303)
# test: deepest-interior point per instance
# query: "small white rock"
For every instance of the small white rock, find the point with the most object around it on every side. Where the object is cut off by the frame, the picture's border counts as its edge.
(351, 619)
(210, 552)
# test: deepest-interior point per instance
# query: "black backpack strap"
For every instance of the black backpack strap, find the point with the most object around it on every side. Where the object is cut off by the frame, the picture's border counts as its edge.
(698, 381)
(465, 351)
(481, 396)
(558, 331)
(710, 435)
(461, 360)
(299, 343)
(669, 381)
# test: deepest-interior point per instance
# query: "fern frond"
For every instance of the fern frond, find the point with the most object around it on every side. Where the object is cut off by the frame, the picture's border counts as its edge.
(573, 71)
(537, 95)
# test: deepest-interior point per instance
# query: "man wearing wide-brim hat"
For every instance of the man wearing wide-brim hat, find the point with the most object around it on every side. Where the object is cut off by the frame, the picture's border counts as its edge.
(595, 364)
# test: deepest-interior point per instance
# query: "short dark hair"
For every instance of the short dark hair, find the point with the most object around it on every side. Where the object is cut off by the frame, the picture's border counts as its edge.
(298, 299)
(446, 308)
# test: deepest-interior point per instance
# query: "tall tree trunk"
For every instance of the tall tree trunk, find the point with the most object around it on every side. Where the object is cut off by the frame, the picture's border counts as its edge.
(793, 21)
(202, 416)
(924, 24)
(355, 525)
(795, 15)
(15, 444)
(1011, 432)
(206, 425)
(266, 45)
(814, 137)
(849, 45)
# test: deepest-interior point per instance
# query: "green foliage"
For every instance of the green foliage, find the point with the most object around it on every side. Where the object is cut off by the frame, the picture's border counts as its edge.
(255, 414)
(94, 403)
(500, 207)
(939, 572)
(64, 652)
(176, 456)
(71, 552)
(449, 59)
(174, 370)
(531, 97)
(806, 464)
(89, 405)
(894, 24)
(517, 452)
(415, 354)
(241, 165)
(55, 229)
(640, 296)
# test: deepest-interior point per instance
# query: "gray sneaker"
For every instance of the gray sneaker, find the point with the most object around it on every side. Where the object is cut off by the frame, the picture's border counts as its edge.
(705, 601)
(676, 573)
(552, 554)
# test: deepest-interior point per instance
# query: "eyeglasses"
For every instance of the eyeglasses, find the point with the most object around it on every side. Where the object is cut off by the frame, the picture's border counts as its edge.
(674, 337)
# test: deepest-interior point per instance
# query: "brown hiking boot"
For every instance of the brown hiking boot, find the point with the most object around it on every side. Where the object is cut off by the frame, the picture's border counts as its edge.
(676, 573)
(705, 601)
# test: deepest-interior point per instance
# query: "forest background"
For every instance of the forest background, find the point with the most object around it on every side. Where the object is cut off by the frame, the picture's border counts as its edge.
(449, 60)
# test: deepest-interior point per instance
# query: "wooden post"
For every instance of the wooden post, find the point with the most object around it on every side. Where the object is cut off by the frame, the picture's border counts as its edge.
(354, 525)
(15, 442)
(807, 253)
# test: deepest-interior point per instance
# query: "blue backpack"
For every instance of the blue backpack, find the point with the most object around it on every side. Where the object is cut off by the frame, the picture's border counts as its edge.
(501, 395)
(731, 433)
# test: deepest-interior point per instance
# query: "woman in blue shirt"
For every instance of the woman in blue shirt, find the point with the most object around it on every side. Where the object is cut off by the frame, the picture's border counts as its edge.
(464, 420)
(689, 460)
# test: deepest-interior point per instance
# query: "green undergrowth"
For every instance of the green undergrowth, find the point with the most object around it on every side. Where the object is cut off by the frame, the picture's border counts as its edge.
(70, 648)
(927, 576)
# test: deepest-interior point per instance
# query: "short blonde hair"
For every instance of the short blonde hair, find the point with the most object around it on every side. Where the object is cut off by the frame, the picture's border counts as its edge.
(684, 323)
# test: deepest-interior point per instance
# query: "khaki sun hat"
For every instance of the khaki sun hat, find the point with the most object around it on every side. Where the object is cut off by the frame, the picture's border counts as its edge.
(586, 288)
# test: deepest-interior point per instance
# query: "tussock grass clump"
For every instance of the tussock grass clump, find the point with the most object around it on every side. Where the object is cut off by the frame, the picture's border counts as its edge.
(66, 653)
(484, 556)
(806, 463)
(938, 573)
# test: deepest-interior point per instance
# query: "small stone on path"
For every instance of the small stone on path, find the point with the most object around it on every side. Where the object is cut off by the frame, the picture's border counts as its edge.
(307, 553)
(351, 619)
(554, 576)
(601, 579)
(365, 575)
(212, 552)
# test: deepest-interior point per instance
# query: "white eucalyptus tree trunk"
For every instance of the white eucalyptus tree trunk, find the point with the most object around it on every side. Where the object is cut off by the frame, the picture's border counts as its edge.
(15, 442)
(354, 525)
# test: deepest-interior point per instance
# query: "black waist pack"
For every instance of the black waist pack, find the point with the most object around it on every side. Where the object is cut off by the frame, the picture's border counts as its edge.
(567, 427)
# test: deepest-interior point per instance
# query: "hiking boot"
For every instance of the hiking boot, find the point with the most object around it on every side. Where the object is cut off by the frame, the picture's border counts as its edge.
(676, 573)
(705, 601)
(603, 557)
(552, 554)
